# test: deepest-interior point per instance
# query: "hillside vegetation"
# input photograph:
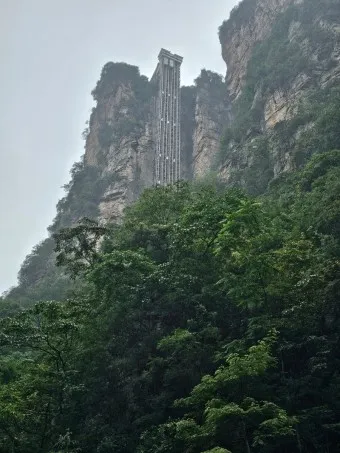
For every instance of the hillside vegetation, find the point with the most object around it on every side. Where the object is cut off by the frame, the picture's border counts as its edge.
(207, 321)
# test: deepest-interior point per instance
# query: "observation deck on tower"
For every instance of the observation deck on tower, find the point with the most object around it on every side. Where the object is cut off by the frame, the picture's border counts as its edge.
(167, 106)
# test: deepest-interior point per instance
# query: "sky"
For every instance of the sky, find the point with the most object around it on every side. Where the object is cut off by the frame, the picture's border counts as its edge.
(52, 52)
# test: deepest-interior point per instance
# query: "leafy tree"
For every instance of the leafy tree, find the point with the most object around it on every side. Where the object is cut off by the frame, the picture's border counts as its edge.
(76, 246)
(207, 321)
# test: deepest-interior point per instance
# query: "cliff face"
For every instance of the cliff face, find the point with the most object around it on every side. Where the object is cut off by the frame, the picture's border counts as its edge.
(283, 71)
(249, 23)
(279, 53)
(279, 105)
(212, 115)
(120, 137)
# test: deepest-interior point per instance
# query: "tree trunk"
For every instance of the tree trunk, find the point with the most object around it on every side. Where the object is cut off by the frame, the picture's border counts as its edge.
(246, 439)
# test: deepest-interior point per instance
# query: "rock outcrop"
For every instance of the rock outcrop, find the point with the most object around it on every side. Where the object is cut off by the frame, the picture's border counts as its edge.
(250, 22)
(280, 103)
(212, 115)
(281, 55)
(120, 137)
(278, 54)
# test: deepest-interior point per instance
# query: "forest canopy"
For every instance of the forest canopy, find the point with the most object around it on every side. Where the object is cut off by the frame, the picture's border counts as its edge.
(207, 322)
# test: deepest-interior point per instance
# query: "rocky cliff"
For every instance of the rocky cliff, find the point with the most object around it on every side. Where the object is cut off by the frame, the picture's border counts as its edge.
(119, 146)
(249, 23)
(279, 104)
(212, 115)
(282, 56)
(119, 138)
(283, 77)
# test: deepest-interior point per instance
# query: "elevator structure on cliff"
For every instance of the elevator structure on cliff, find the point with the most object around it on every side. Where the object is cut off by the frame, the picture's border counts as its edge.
(167, 124)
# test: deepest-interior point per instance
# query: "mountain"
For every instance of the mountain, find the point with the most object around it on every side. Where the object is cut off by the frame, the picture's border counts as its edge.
(278, 105)
(283, 61)
(120, 140)
(202, 316)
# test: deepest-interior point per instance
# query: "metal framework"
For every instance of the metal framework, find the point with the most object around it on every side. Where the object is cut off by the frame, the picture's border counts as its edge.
(167, 103)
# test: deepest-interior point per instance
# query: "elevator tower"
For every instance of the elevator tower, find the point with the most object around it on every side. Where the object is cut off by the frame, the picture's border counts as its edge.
(167, 105)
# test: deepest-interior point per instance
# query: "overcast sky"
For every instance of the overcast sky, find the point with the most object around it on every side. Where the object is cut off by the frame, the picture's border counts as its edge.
(52, 52)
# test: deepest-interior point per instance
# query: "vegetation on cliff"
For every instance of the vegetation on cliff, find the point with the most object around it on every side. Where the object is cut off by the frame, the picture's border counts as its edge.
(207, 321)
(39, 279)
(291, 65)
(114, 75)
(134, 105)
(242, 14)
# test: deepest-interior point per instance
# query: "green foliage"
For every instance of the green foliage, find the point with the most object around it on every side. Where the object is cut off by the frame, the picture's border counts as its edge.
(38, 278)
(9, 308)
(274, 64)
(210, 80)
(133, 109)
(34, 265)
(211, 91)
(76, 247)
(37, 381)
(114, 74)
(240, 15)
(237, 368)
(208, 321)
(83, 194)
